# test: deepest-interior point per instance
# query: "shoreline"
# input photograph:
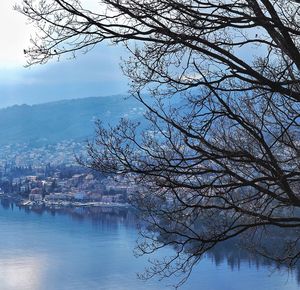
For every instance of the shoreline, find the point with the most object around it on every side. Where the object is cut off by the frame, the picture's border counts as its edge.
(58, 204)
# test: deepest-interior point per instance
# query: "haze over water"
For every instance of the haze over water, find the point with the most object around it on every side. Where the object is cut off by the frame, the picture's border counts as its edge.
(92, 249)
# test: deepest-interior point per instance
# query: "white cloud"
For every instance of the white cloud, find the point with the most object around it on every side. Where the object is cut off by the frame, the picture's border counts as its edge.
(15, 35)
(94, 74)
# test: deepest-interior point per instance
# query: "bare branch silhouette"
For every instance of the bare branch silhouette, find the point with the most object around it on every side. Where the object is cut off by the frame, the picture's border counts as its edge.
(220, 156)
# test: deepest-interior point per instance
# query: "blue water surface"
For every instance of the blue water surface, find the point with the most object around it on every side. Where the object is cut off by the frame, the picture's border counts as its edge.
(83, 250)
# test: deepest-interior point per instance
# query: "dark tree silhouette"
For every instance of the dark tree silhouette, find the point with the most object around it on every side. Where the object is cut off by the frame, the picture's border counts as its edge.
(220, 156)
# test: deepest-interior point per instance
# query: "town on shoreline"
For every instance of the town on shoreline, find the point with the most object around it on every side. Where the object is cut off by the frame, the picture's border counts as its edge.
(50, 176)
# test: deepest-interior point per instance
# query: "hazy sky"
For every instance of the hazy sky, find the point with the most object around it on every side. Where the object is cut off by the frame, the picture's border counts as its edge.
(94, 74)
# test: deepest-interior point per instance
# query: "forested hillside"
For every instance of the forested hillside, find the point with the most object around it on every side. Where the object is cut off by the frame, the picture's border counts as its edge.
(69, 119)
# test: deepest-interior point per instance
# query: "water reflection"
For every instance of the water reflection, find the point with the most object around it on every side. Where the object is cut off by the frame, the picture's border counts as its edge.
(234, 256)
(91, 248)
(22, 273)
(104, 216)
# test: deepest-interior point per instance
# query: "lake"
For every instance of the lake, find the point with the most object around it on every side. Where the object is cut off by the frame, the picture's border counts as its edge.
(92, 249)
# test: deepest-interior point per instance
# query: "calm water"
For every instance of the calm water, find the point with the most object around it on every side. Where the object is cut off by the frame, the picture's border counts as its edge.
(92, 250)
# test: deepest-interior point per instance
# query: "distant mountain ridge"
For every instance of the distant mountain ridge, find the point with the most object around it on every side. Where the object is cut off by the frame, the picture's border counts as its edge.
(62, 120)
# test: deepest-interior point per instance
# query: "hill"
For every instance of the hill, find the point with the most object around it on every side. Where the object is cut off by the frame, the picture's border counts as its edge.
(61, 120)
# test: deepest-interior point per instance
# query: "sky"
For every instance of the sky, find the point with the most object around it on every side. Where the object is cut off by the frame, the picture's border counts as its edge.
(97, 73)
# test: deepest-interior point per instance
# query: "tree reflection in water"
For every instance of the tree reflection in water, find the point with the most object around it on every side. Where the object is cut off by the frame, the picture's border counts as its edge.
(231, 252)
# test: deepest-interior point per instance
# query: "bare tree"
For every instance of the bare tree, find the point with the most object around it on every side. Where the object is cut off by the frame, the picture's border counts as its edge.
(220, 156)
